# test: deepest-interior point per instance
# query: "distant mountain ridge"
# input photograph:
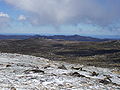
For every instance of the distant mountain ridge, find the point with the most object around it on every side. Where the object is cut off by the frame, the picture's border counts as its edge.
(15, 36)
(71, 38)
(62, 37)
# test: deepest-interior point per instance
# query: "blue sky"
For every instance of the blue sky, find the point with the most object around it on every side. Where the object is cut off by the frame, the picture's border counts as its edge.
(82, 17)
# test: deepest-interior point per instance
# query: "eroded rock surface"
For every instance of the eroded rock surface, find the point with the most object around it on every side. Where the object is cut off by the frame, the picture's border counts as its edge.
(23, 72)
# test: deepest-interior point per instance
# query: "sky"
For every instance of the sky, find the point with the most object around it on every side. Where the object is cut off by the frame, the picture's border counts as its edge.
(56, 17)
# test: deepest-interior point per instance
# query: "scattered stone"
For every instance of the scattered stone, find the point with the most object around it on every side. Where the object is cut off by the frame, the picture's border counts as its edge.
(76, 74)
(46, 66)
(104, 81)
(116, 85)
(68, 85)
(66, 74)
(62, 67)
(34, 71)
(77, 68)
(60, 85)
(13, 88)
(8, 65)
(53, 74)
(108, 78)
(95, 74)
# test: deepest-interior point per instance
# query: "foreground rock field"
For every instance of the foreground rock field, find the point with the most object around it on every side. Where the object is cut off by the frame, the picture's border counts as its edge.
(24, 72)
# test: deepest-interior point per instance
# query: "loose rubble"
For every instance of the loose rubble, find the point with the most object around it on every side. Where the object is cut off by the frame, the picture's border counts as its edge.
(24, 72)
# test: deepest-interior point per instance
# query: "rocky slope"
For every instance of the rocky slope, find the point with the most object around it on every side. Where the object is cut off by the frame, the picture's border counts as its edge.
(23, 72)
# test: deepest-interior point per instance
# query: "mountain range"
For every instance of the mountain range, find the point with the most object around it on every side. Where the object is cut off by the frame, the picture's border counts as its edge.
(62, 37)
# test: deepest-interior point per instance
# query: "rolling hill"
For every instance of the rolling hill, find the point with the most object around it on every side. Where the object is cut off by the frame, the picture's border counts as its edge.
(102, 54)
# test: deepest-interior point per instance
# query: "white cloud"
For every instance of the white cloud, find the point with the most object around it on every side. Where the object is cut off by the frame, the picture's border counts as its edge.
(4, 15)
(69, 11)
(22, 18)
(4, 20)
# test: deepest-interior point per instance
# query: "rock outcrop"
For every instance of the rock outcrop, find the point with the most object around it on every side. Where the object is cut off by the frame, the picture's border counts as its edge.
(24, 72)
